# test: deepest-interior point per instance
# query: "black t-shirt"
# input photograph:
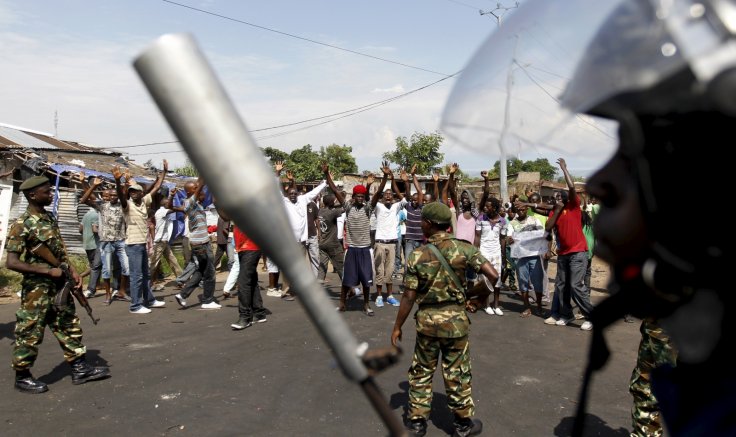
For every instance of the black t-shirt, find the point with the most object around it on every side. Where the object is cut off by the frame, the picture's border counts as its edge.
(328, 224)
(223, 231)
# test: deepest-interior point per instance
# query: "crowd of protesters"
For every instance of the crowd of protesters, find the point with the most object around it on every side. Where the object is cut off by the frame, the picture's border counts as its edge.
(365, 239)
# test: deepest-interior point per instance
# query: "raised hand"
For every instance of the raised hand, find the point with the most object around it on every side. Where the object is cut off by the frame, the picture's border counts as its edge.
(561, 162)
(484, 175)
(325, 168)
(413, 169)
(128, 178)
(289, 175)
(435, 176)
(81, 177)
(166, 166)
(278, 166)
(404, 177)
(370, 179)
(452, 168)
(386, 169)
(96, 182)
(117, 173)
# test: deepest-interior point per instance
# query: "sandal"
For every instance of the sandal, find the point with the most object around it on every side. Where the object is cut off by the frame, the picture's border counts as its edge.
(107, 302)
(368, 312)
(527, 312)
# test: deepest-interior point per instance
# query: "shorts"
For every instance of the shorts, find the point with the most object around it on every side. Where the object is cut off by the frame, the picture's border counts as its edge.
(358, 267)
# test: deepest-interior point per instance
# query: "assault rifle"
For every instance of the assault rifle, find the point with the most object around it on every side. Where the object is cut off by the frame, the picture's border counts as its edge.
(70, 286)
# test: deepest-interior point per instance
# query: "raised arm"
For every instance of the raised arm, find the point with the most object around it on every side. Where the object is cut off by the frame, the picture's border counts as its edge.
(87, 197)
(290, 178)
(159, 180)
(405, 178)
(486, 191)
(328, 177)
(415, 181)
(117, 174)
(568, 178)
(551, 222)
(278, 167)
(386, 172)
(436, 185)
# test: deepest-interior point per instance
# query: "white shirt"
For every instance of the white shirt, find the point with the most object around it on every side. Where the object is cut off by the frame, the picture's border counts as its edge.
(164, 224)
(387, 220)
(297, 212)
(341, 226)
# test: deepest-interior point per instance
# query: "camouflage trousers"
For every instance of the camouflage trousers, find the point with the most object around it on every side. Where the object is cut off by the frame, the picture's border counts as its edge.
(455, 371)
(655, 350)
(35, 313)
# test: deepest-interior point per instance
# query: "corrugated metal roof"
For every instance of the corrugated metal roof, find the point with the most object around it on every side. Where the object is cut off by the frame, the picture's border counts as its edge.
(10, 137)
(70, 215)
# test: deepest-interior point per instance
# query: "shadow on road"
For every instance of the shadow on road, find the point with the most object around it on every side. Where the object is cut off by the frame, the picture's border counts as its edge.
(441, 416)
(594, 426)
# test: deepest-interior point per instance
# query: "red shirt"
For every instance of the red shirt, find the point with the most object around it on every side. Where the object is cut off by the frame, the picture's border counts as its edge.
(242, 242)
(570, 228)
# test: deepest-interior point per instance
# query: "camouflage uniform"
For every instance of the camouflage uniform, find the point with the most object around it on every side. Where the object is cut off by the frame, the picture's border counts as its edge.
(655, 350)
(442, 325)
(36, 309)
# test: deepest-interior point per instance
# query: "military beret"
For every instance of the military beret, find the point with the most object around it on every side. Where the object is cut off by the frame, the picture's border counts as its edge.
(437, 212)
(33, 182)
(135, 187)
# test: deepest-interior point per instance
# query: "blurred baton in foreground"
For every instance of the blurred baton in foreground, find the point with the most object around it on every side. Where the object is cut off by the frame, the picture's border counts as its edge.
(204, 119)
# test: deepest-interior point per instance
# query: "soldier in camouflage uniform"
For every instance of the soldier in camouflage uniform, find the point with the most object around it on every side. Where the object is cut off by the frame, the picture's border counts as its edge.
(655, 350)
(40, 283)
(441, 321)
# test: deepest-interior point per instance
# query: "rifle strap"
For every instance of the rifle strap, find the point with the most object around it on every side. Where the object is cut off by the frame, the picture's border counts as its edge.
(455, 279)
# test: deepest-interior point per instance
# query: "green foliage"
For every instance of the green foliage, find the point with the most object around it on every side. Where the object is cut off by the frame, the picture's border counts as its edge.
(10, 280)
(305, 164)
(421, 149)
(274, 154)
(339, 158)
(187, 170)
(546, 170)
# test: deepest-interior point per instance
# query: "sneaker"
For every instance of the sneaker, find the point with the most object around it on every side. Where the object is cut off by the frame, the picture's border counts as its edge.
(211, 306)
(88, 294)
(551, 320)
(379, 301)
(358, 292)
(157, 304)
(141, 310)
(288, 297)
(490, 311)
(273, 292)
(180, 300)
(564, 321)
(241, 324)
(498, 311)
(261, 319)
(392, 301)
(586, 326)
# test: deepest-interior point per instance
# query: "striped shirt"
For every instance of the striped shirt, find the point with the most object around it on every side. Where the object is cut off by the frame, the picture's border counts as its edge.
(358, 224)
(197, 222)
(414, 223)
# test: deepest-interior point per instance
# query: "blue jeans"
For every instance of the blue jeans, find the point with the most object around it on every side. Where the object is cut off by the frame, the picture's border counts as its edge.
(409, 246)
(530, 273)
(140, 285)
(569, 283)
(107, 249)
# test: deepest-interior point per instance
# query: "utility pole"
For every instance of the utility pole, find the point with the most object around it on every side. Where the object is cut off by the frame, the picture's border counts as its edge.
(56, 124)
(503, 181)
(499, 11)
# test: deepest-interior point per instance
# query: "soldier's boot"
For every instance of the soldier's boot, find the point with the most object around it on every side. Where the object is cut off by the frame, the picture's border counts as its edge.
(83, 372)
(25, 382)
(465, 427)
(418, 427)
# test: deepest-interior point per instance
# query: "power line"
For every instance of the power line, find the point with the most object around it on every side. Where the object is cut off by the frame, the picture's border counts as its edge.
(464, 4)
(342, 114)
(225, 17)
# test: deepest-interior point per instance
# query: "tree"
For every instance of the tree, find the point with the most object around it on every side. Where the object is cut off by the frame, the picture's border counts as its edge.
(546, 170)
(422, 150)
(339, 158)
(187, 170)
(305, 164)
(274, 154)
(149, 164)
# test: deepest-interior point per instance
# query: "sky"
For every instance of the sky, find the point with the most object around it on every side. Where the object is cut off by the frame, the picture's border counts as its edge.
(73, 58)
